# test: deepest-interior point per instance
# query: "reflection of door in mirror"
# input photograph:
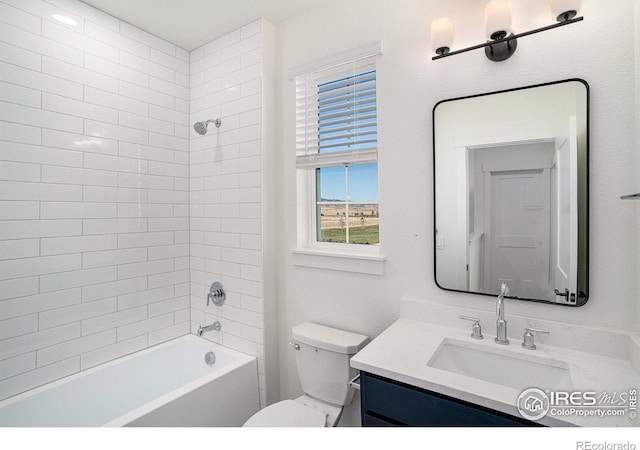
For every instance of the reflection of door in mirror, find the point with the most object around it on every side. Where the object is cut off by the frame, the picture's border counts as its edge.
(511, 196)
(512, 192)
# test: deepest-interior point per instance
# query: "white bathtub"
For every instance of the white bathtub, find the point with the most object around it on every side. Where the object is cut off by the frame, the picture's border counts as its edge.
(166, 385)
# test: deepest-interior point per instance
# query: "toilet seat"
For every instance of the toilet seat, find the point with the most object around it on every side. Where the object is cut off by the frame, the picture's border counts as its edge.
(287, 413)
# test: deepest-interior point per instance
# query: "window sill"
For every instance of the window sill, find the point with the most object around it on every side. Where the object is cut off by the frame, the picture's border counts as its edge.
(371, 264)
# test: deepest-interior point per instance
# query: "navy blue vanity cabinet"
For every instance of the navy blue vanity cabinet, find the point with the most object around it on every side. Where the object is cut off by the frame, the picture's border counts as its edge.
(386, 402)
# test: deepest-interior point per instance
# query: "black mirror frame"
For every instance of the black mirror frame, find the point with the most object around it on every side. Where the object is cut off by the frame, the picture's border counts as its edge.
(583, 234)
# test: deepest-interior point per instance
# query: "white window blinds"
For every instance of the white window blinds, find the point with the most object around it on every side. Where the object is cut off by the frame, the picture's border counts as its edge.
(336, 115)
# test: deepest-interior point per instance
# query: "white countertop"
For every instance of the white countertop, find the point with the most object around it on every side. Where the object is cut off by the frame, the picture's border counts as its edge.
(403, 350)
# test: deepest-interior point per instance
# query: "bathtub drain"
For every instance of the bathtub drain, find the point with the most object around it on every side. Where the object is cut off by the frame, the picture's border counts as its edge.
(210, 358)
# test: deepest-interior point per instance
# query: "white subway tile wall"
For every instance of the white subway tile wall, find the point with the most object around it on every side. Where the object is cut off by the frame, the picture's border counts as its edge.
(94, 190)
(226, 189)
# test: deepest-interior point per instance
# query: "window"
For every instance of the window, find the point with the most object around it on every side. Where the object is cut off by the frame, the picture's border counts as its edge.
(347, 204)
(336, 145)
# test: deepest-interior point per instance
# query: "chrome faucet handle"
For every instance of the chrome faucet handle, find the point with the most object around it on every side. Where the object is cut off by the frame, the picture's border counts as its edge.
(216, 294)
(476, 328)
(529, 339)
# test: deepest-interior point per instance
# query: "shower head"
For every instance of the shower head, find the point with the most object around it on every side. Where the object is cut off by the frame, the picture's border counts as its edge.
(201, 127)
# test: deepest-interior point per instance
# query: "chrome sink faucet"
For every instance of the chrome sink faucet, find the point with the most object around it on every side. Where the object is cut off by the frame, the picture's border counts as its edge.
(501, 324)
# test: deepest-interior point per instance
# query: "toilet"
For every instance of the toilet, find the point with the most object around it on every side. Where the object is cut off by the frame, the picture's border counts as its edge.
(322, 357)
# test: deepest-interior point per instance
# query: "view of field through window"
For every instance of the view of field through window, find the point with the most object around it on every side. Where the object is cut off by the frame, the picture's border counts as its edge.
(363, 224)
(347, 207)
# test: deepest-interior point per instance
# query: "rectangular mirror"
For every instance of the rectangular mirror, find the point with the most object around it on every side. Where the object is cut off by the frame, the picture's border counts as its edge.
(511, 192)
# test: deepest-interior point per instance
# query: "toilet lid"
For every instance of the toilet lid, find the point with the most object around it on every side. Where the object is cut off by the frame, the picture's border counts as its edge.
(287, 413)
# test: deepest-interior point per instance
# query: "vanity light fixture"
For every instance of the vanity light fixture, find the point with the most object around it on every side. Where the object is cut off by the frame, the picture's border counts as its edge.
(503, 43)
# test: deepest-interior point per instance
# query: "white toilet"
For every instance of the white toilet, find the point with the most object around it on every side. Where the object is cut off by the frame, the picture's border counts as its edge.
(322, 357)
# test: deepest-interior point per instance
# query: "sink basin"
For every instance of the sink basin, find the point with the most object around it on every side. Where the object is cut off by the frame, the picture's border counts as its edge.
(501, 366)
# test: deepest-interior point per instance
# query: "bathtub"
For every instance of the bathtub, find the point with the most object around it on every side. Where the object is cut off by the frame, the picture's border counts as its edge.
(166, 385)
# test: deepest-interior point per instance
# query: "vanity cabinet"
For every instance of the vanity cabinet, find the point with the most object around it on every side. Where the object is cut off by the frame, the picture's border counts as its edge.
(386, 402)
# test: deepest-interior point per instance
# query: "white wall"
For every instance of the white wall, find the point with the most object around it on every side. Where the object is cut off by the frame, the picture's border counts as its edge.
(600, 50)
(226, 188)
(93, 191)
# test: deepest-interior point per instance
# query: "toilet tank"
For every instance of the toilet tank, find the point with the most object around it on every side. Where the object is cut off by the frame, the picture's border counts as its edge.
(323, 361)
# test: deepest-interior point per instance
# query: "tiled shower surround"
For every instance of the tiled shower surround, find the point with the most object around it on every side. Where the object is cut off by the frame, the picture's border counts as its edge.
(97, 246)
(226, 189)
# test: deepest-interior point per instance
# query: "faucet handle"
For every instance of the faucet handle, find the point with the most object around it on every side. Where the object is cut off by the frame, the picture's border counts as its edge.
(476, 329)
(528, 338)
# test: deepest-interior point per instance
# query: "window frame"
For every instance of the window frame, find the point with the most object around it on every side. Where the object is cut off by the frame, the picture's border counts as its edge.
(310, 252)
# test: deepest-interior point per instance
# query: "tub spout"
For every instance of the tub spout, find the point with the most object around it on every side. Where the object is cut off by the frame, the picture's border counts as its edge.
(214, 326)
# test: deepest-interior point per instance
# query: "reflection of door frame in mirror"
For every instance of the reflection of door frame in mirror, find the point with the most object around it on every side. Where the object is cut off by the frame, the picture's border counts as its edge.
(462, 148)
(462, 163)
(532, 173)
(568, 273)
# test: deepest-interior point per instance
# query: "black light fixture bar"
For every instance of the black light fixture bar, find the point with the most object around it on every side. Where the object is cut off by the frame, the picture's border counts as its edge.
(631, 197)
(509, 38)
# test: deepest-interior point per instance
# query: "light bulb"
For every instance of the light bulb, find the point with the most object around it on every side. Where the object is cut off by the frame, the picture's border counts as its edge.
(497, 15)
(441, 35)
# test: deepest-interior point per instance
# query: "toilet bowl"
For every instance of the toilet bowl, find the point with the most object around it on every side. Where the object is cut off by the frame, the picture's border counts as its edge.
(322, 358)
